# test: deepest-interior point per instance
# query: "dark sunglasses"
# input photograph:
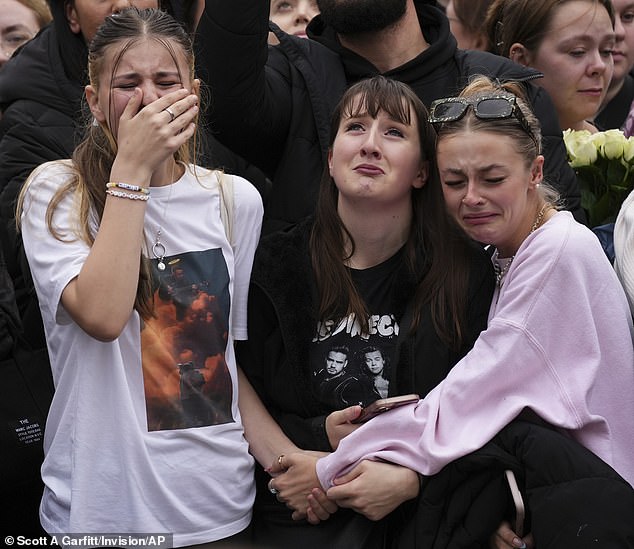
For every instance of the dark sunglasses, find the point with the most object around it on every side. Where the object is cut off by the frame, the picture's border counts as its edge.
(489, 107)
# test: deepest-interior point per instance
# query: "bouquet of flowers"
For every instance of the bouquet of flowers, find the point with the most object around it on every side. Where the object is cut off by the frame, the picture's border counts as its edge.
(604, 164)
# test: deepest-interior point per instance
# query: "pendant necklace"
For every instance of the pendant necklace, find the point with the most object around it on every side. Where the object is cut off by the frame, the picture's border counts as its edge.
(500, 273)
(158, 248)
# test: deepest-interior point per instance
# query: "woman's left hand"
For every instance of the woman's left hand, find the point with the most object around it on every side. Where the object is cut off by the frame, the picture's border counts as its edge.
(375, 488)
(294, 480)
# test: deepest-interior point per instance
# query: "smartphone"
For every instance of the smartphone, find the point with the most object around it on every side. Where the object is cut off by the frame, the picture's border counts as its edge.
(518, 502)
(383, 405)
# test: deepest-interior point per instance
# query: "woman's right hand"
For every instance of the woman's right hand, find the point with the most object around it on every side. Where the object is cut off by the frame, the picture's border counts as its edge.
(148, 135)
(375, 488)
(338, 424)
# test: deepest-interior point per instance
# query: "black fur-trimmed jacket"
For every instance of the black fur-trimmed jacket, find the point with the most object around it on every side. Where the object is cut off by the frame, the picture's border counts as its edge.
(282, 320)
(573, 499)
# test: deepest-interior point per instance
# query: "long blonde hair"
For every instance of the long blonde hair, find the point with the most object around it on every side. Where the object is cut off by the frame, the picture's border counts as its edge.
(93, 158)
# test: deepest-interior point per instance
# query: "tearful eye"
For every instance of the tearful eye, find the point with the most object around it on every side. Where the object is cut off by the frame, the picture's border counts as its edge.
(395, 132)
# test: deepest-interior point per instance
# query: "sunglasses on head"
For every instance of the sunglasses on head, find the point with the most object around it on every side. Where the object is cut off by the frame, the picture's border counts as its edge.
(488, 107)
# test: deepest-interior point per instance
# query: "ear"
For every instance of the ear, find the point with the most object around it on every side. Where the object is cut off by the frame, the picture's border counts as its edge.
(422, 176)
(72, 18)
(537, 172)
(330, 161)
(519, 54)
(196, 87)
(93, 103)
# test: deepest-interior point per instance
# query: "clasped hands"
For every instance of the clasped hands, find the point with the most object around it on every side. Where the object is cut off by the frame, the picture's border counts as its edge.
(371, 488)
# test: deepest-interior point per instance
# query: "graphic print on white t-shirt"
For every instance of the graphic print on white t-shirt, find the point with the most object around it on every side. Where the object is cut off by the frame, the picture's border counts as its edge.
(186, 379)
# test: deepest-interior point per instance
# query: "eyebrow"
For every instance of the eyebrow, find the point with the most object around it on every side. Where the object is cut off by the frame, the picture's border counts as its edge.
(16, 27)
(589, 38)
(159, 74)
(460, 171)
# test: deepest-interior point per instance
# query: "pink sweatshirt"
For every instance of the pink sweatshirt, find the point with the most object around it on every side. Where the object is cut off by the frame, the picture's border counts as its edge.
(559, 341)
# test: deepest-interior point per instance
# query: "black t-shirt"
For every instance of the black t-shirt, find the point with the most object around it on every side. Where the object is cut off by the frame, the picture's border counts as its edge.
(349, 367)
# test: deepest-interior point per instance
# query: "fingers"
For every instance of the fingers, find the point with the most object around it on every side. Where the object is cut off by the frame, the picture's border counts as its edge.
(319, 508)
(505, 537)
(133, 104)
(272, 488)
(338, 424)
(321, 504)
(351, 475)
(181, 110)
(346, 415)
(278, 465)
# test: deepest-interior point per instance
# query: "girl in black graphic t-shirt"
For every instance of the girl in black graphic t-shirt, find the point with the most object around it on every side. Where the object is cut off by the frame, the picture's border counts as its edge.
(380, 266)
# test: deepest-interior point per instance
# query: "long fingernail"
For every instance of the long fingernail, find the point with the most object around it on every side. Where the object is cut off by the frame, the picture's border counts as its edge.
(517, 542)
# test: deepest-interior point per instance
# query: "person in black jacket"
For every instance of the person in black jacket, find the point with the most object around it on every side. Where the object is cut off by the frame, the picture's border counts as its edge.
(367, 270)
(272, 105)
(41, 90)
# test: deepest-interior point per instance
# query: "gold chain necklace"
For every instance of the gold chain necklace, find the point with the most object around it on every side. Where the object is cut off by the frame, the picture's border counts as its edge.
(500, 273)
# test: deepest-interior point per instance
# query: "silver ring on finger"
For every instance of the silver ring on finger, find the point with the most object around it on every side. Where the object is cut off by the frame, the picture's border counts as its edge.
(171, 113)
(273, 491)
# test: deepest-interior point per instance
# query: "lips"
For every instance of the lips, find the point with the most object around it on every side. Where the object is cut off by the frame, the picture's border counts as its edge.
(592, 92)
(478, 219)
(368, 169)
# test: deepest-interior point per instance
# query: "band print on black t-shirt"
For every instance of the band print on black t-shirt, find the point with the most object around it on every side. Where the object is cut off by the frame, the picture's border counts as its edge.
(349, 367)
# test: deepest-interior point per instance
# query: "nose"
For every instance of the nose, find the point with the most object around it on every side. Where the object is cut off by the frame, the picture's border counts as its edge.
(619, 30)
(305, 12)
(118, 5)
(472, 196)
(598, 64)
(4, 56)
(149, 93)
(370, 145)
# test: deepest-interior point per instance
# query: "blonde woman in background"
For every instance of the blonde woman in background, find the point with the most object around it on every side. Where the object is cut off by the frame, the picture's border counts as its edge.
(19, 22)
(292, 16)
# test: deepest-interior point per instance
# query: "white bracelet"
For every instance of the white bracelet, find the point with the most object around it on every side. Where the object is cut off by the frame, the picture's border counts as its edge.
(121, 194)
(127, 187)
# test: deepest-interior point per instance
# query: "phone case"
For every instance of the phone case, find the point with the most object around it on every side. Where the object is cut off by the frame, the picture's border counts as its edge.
(383, 405)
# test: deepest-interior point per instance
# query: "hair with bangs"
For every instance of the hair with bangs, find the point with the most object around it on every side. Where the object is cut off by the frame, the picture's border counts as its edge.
(437, 251)
(374, 98)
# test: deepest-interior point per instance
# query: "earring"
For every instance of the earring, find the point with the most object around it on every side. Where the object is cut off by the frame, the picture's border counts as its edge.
(94, 122)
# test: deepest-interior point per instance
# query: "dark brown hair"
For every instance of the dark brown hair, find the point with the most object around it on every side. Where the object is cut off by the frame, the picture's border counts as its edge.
(442, 277)
(472, 14)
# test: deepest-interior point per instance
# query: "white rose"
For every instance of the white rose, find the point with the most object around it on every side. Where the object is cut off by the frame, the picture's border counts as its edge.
(614, 142)
(582, 149)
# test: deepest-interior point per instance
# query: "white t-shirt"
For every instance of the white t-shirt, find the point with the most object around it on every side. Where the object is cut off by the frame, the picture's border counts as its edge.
(144, 432)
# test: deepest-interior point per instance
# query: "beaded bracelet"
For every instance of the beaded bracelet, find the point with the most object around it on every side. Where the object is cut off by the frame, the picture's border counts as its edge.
(121, 194)
(127, 187)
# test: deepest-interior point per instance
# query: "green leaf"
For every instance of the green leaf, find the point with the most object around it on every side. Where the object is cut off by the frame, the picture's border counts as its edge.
(602, 211)
(616, 173)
